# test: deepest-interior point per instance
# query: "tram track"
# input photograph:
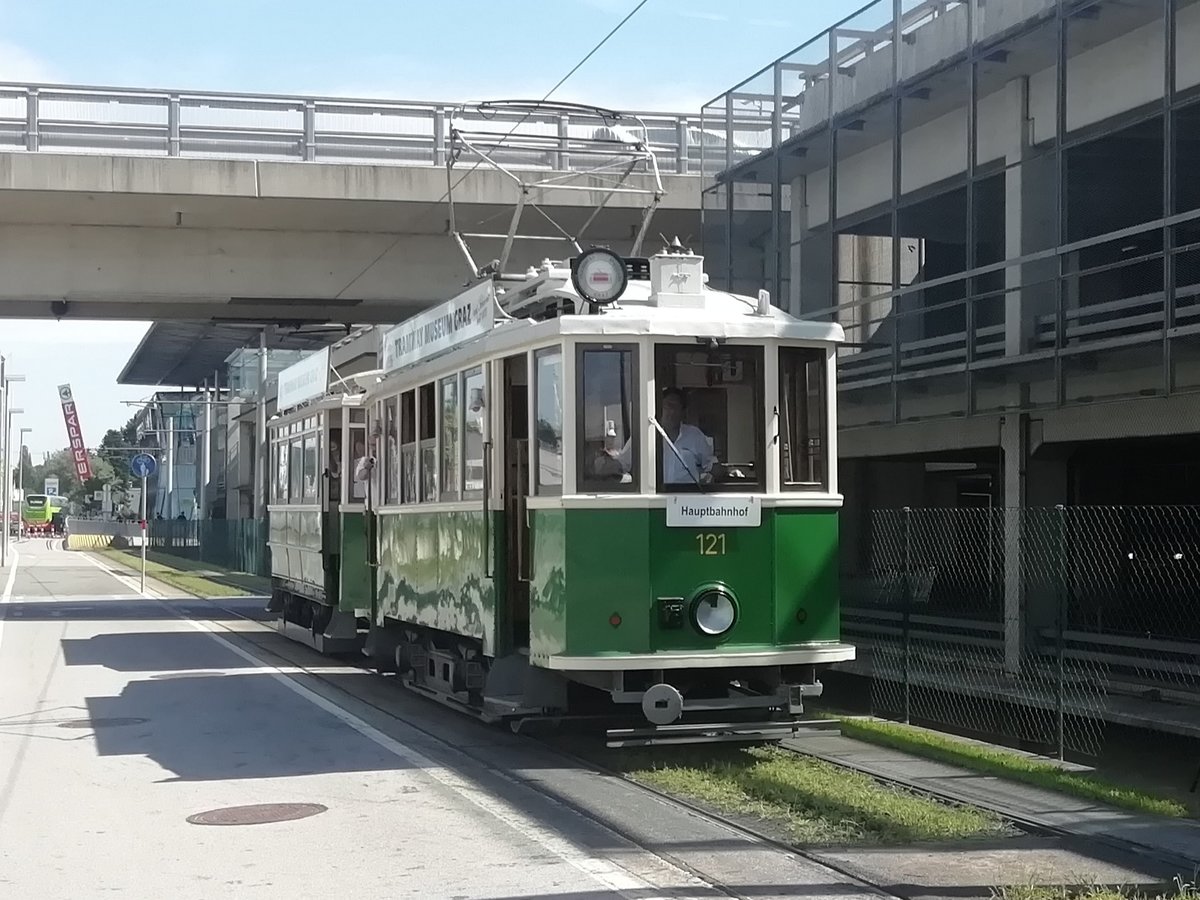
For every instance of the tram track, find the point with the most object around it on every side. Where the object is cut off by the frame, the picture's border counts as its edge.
(856, 879)
(852, 879)
(289, 657)
(1024, 821)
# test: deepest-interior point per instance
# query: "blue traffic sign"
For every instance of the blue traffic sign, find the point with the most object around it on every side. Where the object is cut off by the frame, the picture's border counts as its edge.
(143, 465)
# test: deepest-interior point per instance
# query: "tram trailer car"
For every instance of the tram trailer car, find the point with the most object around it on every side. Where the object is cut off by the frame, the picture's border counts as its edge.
(605, 482)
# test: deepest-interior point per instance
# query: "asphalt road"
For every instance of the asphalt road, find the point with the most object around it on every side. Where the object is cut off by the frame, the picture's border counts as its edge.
(122, 715)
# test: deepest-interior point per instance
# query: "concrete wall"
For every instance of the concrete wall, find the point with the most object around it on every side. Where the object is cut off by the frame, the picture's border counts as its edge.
(160, 238)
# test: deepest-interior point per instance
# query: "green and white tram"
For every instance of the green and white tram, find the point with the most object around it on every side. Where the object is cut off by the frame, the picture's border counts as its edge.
(586, 485)
(319, 538)
(604, 486)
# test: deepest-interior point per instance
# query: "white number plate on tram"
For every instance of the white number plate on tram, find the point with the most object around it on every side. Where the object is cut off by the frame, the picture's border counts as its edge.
(701, 511)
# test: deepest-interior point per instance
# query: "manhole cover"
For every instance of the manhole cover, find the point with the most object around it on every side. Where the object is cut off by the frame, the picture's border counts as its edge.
(101, 723)
(258, 814)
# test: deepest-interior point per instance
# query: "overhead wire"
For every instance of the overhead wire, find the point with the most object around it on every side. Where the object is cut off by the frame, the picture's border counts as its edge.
(388, 249)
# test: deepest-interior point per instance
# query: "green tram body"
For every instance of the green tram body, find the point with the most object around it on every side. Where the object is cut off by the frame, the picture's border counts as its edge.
(521, 589)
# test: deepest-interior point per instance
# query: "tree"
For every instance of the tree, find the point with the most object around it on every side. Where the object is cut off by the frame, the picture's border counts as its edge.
(26, 469)
(119, 445)
(82, 496)
(110, 467)
(58, 464)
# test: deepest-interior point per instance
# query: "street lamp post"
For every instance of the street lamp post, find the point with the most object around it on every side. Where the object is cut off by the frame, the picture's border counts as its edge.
(6, 414)
(21, 468)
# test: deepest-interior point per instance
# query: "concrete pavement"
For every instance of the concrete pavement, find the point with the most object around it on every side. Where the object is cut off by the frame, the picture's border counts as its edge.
(123, 716)
(120, 717)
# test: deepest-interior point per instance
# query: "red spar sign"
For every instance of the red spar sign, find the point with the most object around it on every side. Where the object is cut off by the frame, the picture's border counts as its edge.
(79, 454)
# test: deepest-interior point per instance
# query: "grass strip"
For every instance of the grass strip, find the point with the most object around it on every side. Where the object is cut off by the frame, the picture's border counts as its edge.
(1181, 891)
(200, 579)
(1001, 763)
(811, 801)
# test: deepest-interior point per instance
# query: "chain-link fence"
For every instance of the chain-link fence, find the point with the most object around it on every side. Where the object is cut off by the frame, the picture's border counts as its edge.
(239, 545)
(1038, 625)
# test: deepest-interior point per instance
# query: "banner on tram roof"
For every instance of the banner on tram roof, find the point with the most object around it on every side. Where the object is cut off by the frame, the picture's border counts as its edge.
(468, 316)
(303, 380)
(79, 453)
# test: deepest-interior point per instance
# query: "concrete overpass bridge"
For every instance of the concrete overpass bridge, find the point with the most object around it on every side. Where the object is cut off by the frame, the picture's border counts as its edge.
(238, 210)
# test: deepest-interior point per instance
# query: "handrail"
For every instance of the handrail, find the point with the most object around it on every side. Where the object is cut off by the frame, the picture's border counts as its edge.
(37, 116)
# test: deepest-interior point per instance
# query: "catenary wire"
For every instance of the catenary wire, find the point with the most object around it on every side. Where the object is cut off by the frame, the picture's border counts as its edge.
(388, 249)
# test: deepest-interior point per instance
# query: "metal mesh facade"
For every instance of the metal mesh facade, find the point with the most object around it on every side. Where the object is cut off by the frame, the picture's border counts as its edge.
(239, 545)
(994, 200)
(1038, 623)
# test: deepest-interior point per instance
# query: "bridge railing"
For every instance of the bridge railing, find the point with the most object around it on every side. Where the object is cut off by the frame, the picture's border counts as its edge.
(85, 119)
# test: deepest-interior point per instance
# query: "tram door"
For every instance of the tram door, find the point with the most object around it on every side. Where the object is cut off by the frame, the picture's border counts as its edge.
(331, 497)
(516, 489)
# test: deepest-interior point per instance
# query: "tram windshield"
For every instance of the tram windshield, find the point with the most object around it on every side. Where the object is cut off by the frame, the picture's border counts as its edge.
(607, 438)
(802, 419)
(709, 423)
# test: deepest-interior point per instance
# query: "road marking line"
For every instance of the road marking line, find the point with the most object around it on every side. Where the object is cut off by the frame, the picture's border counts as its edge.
(608, 874)
(6, 596)
(128, 582)
(12, 578)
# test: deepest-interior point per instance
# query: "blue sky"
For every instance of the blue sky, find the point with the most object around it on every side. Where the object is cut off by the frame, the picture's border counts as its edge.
(673, 55)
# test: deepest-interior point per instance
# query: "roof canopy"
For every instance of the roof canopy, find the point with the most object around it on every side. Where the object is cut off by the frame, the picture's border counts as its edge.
(188, 353)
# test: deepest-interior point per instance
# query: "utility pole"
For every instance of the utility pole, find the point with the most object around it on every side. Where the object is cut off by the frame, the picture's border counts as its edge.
(6, 499)
(6, 412)
(205, 462)
(21, 465)
(170, 468)
(261, 441)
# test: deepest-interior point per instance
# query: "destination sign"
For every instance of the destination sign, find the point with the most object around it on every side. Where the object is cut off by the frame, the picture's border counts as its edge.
(468, 316)
(303, 380)
(713, 511)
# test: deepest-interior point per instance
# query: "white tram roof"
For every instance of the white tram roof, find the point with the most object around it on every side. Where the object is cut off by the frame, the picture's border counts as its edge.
(335, 397)
(642, 310)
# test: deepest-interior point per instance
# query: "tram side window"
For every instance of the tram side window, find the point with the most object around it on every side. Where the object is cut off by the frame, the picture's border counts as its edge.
(391, 464)
(427, 433)
(408, 447)
(710, 405)
(451, 431)
(296, 469)
(802, 419)
(358, 447)
(607, 439)
(548, 415)
(335, 465)
(311, 468)
(473, 412)
(279, 482)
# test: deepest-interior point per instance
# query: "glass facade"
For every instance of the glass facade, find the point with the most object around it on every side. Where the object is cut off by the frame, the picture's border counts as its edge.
(994, 200)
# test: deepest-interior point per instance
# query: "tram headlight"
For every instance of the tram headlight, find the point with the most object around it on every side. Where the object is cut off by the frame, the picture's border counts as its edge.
(599, 275)
(714, 611)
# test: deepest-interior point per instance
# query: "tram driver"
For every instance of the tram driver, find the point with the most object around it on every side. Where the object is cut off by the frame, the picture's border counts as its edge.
(694, 446)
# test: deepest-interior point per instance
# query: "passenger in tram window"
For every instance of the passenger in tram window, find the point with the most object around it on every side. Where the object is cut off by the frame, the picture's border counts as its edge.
(335, 459)
(362, 469)
(335, 470)
(694, 446)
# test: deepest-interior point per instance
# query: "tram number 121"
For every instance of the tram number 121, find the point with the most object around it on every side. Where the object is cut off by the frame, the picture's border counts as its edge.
(711, 544)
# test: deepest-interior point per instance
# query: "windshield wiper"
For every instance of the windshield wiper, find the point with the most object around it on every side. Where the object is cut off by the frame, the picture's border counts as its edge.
(678, 456)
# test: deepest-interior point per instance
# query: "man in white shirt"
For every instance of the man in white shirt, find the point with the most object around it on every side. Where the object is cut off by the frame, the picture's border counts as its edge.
(690, 441)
